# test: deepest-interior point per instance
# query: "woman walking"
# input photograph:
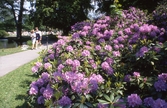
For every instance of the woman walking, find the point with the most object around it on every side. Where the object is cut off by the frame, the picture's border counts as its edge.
(33, 38)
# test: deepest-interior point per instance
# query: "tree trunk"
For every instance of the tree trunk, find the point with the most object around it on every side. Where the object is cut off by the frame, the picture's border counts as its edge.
(19, 34)
(19, 23)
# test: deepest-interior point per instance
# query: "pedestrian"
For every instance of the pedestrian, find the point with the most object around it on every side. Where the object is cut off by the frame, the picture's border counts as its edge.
(33, 38)
(38, 37)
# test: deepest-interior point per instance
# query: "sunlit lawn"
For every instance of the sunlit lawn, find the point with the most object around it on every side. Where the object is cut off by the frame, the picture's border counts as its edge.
(7, 51)
(14, 86)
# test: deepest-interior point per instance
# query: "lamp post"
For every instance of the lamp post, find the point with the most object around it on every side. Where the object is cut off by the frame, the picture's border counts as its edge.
(47, 42)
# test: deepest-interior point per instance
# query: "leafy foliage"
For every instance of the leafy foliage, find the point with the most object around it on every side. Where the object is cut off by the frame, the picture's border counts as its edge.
(3, 33)
(61, 14)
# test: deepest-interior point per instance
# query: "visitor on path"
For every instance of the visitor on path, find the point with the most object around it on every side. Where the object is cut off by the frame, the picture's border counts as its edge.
(33, 38)
(38, 37)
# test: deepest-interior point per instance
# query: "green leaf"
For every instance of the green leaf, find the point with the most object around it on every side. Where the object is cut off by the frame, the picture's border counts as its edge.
(141, 85)
(112, 6)
(67, 106)
(82, 106)
(111, 106)
(88, 97)
(103, 101)
(89, 105)
(86, 70)
(112, 97)
(76, 105)
(107, 98)
(116, 98)
(152, 62)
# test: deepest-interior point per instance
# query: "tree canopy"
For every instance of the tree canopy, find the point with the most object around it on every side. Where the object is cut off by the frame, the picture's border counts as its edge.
(60, 14)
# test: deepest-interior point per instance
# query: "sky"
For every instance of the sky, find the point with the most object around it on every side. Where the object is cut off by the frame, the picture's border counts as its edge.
(27, 5)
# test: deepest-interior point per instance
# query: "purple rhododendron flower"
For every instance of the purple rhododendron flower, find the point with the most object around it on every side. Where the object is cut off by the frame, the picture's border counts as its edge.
(136, 74)
(93, 85)
(116, 47)
(108, 47)
(83, 33)
(105, 66)
(64, 101)
(38, 64)
(51, 56)
(120, 33)
(47, 66)
(70, 76)
(76, 63)
(97, 47)
(148, 101)
(69, 48)
(127, 78)
(109, 60)
(94, 66)
(159, 103)
(42, 90)
(33, 90)
(115, 41)
(162, 76)
(134, 100)
(61, 42)
(120, 39)
(160, 85)
(45, 76)
(34, 69)
(127, 31)
(110, 71)
(153, 34)
(48, 92)
(40, 82)
(85, 53)
(40, 100)
(60, 67)
(97, 78)
(75, 35)
(57, 76)
(69, 62)
(116, 54)
(142, 51)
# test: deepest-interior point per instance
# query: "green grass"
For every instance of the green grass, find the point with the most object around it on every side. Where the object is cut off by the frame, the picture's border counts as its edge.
(7, 51)
(14, 87)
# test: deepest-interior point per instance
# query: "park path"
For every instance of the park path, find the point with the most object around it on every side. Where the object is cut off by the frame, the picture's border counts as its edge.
(11, 62)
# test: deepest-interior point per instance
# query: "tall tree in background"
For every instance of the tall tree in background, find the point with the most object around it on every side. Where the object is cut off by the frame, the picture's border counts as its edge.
(16, 9)
(60, 14)
(6, 20)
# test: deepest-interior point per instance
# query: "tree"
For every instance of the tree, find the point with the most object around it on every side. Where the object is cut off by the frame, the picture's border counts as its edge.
(60, 14)
(6, 20)
(16, 9)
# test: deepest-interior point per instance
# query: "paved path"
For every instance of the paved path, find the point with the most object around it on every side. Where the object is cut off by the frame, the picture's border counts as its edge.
(11, 62)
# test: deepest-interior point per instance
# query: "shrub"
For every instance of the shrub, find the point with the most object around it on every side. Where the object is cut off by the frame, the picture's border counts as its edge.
(3, 33)
(159, 18)
(104, 64)
(29, 43)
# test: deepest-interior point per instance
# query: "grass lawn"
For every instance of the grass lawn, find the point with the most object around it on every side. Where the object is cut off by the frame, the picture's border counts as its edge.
(7, 51)
(14, 86)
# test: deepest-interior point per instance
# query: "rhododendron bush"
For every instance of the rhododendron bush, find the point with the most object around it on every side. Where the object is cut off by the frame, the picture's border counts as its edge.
(111, 62)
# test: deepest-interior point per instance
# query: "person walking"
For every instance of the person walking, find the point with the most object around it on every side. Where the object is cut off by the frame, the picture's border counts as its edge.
(38, 37)
(33, 38)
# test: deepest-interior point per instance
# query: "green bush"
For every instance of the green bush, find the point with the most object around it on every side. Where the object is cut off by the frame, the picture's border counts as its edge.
(3, 33)
(29, 42)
